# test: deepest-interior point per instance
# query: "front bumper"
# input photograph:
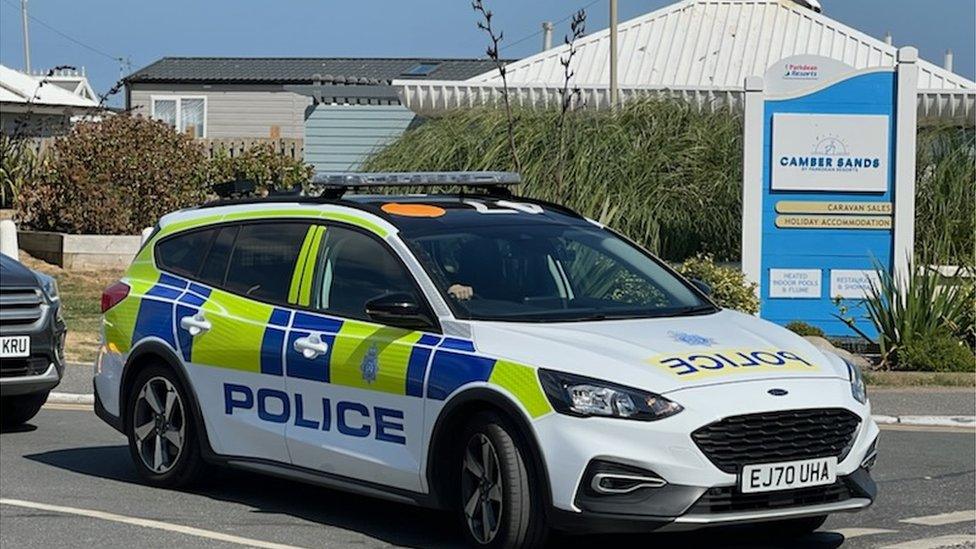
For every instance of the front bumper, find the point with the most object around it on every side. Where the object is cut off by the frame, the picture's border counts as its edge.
(31, 384)
(674, 508)
(43, 369)
(697, 493)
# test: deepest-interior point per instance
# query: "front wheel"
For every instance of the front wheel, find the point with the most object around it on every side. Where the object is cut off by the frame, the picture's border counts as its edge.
(161, 431)
(17, 410)
(499, 502)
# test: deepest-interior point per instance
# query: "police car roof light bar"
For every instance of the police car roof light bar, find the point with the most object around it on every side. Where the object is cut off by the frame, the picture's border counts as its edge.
(335, 184)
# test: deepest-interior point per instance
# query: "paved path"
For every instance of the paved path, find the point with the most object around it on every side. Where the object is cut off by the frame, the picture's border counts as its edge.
(67, 481)
(928, 401)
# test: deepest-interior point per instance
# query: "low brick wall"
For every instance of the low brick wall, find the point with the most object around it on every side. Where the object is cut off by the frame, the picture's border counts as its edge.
(80, 251)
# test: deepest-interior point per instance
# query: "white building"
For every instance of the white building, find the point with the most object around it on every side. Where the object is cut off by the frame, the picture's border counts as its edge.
(40, 105)
(699, 49)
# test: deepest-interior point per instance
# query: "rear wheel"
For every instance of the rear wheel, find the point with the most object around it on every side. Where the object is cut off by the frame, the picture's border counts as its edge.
(16, 410)
(499, 502)
(161, 430)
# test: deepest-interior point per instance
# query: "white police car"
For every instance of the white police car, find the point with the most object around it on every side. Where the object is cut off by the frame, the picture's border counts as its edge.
(502, 357)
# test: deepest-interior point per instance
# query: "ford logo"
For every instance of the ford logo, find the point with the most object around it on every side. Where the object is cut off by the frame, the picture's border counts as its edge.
(778, 392)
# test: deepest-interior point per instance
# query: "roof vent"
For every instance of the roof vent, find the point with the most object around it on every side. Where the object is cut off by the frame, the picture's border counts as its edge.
(811, 4)
(424, 68)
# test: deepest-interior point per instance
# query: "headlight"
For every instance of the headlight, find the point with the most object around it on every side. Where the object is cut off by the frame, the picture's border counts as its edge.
(858, 388)
(583, 396)
(49, 285)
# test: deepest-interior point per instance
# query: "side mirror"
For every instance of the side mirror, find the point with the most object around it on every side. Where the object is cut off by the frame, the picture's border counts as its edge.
(702, 286)
(400, 310)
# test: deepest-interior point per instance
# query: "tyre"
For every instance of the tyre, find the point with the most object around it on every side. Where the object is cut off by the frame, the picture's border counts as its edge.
(799, 526)
(17, 410)
(161, 430)
(499, 499)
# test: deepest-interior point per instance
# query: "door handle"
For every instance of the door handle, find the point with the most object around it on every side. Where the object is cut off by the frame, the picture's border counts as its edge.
(311, 346)
(195, 324)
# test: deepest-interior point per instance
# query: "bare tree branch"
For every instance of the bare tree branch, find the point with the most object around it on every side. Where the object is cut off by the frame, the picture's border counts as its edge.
(570, 96)
(492, 52)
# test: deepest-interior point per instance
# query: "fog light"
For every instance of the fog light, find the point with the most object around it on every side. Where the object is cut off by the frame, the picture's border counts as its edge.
(613, 483)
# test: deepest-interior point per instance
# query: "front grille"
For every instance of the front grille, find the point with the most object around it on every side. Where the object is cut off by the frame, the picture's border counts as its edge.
(19, 306)
(777, 436)
(16, 367)
(729, 499)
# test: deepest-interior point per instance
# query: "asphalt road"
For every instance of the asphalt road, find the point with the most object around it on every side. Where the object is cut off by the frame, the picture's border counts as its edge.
(68, 458)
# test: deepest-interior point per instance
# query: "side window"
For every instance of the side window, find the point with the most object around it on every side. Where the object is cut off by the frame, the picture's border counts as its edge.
(598, 276)
(182, 254)
(214, 267)
(352, 270)
(264, 258)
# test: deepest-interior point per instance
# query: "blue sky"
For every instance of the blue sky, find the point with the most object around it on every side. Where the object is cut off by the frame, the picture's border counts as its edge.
(145, 31)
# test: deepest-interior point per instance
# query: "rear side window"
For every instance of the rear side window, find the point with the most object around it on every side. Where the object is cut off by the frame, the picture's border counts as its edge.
(214, 268)
(183, 254)
(263, 260)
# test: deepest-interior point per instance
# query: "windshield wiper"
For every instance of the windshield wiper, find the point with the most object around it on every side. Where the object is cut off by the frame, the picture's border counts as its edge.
(691, 309)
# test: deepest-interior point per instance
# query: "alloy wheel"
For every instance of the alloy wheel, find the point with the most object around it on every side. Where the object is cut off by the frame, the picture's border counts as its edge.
(481, 488)
(159, 425)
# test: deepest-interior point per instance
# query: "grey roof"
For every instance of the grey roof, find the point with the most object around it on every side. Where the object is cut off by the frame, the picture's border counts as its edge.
(302, 70)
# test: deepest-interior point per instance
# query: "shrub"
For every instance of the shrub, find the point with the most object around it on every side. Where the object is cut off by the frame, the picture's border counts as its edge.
(18, 163)
(803, 329)
(262, 164)
(945, 195)
(115, 176)
(937, 353)
(730, 288)
(913, 311)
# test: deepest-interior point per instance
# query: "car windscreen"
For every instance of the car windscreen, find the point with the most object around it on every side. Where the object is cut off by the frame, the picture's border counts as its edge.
(538, 272)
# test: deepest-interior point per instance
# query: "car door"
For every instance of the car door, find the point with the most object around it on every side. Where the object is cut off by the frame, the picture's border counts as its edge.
(231, 327)
(363, 406)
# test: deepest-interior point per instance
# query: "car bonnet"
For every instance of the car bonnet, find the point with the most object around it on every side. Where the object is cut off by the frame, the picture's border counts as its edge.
(661, 354)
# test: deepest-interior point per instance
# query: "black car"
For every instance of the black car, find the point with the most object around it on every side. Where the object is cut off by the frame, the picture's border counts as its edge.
(32, 334)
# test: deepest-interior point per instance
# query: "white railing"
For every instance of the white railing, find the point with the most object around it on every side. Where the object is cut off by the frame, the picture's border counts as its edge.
(433, 96)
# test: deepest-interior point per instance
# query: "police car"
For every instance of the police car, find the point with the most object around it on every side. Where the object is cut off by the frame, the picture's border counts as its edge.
(502, 357)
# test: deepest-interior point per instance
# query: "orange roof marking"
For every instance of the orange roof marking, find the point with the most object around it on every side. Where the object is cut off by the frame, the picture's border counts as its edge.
(413, 210)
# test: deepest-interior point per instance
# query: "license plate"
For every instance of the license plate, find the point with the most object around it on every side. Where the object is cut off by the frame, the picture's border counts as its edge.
(768, 477)
(14, 346)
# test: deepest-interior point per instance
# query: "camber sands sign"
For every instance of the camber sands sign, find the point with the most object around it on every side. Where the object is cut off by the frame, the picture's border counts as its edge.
(827, 193)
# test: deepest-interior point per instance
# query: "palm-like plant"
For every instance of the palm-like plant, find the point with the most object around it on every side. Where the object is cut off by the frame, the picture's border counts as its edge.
(919, 305)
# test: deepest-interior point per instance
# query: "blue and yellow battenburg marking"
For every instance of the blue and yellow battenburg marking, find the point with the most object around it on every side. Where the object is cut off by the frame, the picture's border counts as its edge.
(701, 364)
(257, 337)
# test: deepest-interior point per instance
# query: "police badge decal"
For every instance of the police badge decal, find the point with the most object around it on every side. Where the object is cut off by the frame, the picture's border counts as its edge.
(370, 365)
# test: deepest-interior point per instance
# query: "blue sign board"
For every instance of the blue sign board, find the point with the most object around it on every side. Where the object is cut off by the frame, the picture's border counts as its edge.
(826, 200)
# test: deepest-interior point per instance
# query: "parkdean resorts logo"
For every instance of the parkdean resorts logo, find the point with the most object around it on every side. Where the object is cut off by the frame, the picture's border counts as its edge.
(830, 153)
(801, 71)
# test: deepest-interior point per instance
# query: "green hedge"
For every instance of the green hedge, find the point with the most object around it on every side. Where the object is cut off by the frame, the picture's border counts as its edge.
(667, 175)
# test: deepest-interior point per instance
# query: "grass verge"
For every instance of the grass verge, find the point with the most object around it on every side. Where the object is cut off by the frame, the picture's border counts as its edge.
(81, 293)
(920, 379)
